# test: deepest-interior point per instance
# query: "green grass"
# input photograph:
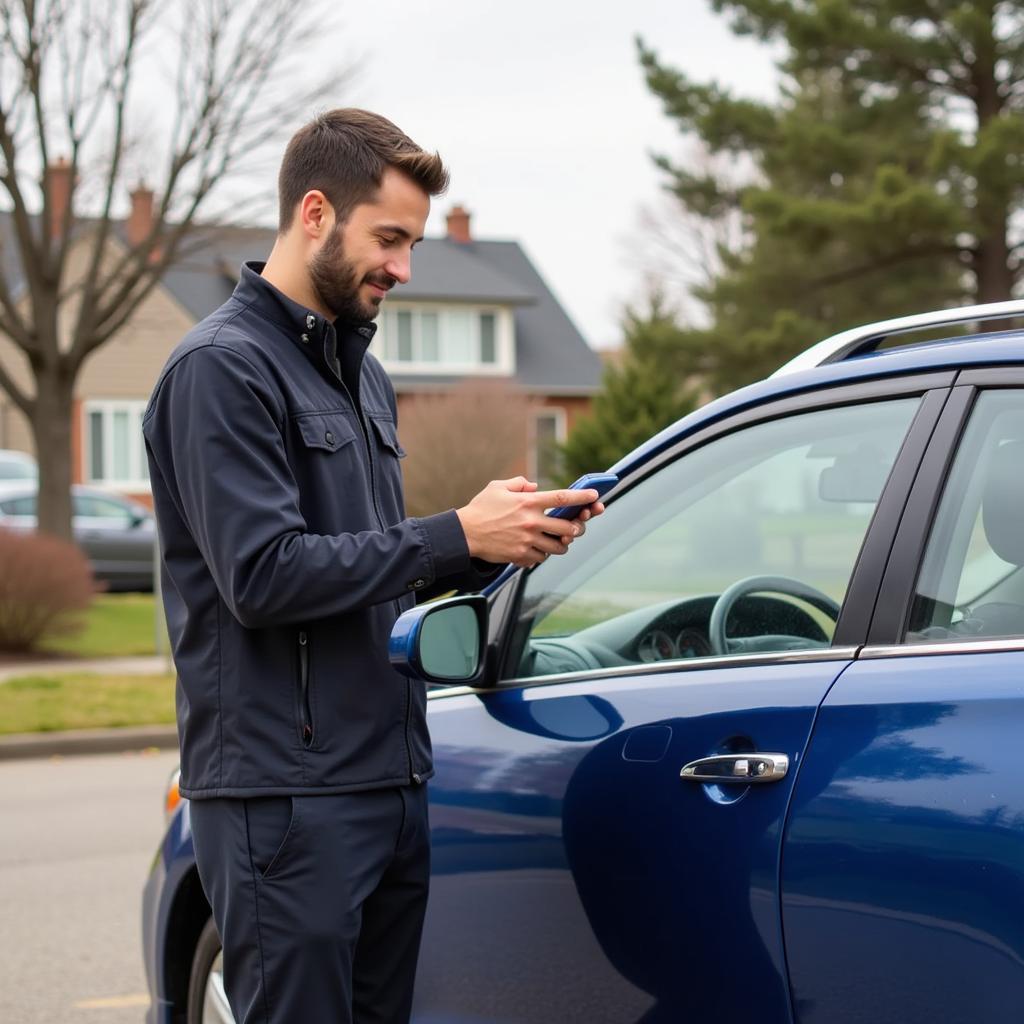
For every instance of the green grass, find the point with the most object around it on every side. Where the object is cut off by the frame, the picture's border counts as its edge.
(50, 702)
(116, 625)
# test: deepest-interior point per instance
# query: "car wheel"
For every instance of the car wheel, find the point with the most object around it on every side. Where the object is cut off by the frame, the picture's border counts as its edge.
(207, 1002)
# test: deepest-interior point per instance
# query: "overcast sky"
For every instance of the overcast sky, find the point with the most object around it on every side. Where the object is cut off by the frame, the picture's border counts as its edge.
(540, 110)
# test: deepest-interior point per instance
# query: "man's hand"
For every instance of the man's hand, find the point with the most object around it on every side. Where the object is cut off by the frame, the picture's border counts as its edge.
(505, 522)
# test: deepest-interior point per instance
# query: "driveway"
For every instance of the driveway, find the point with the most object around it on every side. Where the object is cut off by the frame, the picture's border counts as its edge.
(77, 836)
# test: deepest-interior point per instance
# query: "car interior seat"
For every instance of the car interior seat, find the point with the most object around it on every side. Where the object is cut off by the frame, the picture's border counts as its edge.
(1001, 504)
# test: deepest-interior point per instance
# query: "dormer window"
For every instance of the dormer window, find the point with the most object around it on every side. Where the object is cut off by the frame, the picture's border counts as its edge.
(445, 339)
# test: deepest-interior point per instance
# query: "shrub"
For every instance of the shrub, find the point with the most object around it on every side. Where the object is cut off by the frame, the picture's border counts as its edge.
(44, 583)
(459, 440)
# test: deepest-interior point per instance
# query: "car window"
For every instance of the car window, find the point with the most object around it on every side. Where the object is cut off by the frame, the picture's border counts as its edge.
(25, 506)
(971, 584)
(99, 507)
(744, 545)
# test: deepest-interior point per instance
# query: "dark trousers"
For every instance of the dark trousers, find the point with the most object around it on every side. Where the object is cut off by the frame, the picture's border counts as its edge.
(319, 902)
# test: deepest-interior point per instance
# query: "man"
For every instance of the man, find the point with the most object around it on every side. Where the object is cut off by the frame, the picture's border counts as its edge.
(287, 557)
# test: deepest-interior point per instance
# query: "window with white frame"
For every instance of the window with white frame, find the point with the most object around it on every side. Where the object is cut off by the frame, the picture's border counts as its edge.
(549, 433)
(434, 338)
(114, 449)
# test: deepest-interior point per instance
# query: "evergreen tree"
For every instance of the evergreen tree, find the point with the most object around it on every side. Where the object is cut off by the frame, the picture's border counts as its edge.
(886, 179)
(648, 389)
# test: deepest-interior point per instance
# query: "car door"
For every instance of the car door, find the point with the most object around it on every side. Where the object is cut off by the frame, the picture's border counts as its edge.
(118, 543)
(578, 873)
(903, 863)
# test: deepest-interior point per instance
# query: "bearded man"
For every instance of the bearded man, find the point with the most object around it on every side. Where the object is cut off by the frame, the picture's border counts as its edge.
(286, 558)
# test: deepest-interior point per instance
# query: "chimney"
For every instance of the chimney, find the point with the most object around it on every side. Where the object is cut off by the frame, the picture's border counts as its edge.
(140, 220)
(58, 192)
(458, 224)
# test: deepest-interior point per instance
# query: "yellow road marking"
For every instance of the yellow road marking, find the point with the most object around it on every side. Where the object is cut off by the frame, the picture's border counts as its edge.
(112, 1002)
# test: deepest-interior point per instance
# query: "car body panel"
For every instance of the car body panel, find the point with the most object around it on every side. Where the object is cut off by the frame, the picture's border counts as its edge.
(174, 912)
(903, 863)
(567, 850)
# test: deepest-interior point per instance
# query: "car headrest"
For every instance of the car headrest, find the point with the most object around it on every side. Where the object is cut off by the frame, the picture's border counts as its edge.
(1002, 502)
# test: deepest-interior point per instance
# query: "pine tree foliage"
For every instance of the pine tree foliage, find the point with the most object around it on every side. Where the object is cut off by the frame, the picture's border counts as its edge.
(888, 177)
(649, 388)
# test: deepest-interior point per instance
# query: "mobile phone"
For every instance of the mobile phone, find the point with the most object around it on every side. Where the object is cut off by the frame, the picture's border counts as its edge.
(600, 482)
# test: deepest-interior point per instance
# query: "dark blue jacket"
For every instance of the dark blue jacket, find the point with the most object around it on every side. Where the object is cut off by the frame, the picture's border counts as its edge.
(287, 557)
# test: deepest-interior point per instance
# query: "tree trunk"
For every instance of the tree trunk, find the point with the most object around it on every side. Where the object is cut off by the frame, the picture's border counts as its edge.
(51, 429)
(991, 258)
(993, 274)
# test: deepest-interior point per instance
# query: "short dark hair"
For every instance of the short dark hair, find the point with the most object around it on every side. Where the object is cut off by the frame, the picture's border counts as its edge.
(344, 154)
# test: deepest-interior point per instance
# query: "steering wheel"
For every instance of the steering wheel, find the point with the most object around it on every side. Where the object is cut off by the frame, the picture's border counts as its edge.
(721, 644)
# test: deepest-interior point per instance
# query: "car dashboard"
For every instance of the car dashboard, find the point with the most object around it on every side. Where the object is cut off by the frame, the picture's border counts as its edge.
(671, 631)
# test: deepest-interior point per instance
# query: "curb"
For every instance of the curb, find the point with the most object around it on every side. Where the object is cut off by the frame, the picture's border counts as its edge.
(87, 741)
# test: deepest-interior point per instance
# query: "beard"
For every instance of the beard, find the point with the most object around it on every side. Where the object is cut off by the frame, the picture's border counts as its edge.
(336, 282)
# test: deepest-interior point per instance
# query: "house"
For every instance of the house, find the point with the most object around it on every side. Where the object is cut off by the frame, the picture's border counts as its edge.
(475, 308)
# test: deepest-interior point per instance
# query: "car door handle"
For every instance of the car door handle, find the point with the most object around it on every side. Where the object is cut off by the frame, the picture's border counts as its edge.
(737, 768)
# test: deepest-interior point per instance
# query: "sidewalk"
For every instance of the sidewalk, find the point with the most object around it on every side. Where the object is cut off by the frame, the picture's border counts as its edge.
(86, 741)
(152, 665)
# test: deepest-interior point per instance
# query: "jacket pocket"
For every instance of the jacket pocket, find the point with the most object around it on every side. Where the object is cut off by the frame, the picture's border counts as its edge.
(304, 699)
(330, 432)
(387, 434)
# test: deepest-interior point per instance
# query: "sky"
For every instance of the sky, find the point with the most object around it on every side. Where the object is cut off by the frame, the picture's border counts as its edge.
(541, 113)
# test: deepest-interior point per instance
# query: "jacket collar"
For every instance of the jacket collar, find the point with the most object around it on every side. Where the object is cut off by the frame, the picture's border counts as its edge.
(313, 333)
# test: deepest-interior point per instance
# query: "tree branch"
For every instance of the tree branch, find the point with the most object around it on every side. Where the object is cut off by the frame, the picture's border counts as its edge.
(892, 260)
(17, 396)
(118, 79)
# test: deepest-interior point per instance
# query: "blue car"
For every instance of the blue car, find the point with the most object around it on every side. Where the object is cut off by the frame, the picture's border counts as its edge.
(749, 751)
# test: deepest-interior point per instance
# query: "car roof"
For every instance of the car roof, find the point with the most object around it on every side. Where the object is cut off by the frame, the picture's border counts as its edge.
(1000, 348)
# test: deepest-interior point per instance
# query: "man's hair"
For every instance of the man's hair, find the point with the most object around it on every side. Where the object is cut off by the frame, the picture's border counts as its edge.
(344, 154)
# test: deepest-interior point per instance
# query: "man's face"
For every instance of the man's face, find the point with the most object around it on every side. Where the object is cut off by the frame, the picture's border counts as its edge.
(360, 260)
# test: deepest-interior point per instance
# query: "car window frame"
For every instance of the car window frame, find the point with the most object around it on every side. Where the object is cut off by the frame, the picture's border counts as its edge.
(898, 588)
(934, 389)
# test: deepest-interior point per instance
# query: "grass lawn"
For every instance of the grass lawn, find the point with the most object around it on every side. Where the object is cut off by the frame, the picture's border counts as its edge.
(116, 625)
(50, 701)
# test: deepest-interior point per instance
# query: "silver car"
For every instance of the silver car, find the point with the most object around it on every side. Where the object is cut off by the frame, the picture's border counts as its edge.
(116, 534)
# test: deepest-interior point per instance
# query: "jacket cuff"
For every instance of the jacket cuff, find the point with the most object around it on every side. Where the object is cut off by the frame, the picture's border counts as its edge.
(449, 551)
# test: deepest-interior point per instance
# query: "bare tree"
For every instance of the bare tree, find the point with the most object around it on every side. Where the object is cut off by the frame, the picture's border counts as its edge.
(460, 440)
(679, 253)
(74, 126)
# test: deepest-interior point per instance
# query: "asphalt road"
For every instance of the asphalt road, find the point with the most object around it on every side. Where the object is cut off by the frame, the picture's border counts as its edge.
(77, 836)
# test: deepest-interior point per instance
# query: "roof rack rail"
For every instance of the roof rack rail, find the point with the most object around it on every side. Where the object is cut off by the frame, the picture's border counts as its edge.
(859, 340)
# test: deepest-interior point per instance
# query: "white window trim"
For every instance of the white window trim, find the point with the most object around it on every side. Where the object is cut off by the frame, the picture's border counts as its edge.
(561, 418)
(504, 364)
(136, 451)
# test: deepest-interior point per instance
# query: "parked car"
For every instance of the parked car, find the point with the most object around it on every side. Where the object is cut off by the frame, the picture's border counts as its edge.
(16, 465)
(750, 749)
(116, 534)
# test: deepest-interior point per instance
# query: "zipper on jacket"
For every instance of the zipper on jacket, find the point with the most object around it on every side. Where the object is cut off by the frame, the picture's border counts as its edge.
(368, 441)
(413, 776)
(304, 709)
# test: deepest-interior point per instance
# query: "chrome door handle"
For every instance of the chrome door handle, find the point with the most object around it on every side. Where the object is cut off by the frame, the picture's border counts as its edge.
(737, 768)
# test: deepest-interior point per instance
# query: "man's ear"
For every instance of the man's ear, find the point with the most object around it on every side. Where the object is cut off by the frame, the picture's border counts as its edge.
(316, 215)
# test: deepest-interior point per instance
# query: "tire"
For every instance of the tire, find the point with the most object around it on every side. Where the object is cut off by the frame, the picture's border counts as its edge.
(207, 1003)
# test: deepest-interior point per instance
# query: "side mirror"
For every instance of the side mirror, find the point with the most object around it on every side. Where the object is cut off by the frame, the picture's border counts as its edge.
(441, 642)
